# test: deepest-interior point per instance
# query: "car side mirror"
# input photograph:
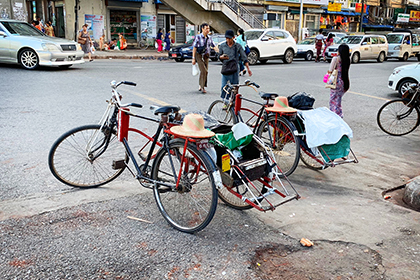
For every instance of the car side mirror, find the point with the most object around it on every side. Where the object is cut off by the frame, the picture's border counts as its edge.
(264, 39)
(364, 43)
(3, 34)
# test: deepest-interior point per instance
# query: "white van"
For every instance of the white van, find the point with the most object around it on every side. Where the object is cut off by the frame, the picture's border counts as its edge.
(362, 47)
(403, 45)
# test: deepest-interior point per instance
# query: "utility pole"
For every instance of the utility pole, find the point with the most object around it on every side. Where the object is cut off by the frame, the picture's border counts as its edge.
(76, 23)
(361, 16)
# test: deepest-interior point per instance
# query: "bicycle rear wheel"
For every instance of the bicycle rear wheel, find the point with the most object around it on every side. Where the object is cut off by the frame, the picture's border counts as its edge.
(307, 158)
(191, 206)
(219, 110)
(284, 142)
(396, 119)
(72, 163)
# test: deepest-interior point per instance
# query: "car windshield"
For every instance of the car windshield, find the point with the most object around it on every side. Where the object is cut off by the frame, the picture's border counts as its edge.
(253, 35)
(351, 40)
(394, 38)
(307, 42)
(21, 28)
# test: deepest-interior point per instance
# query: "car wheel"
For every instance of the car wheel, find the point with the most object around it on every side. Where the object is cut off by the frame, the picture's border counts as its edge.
(355, 58)
(288, 56)
(28, 59)
(403, 87)
(263, 61)
(309, 55)
(179, 59)
(405, 57)
(253, 57)
(381, 57)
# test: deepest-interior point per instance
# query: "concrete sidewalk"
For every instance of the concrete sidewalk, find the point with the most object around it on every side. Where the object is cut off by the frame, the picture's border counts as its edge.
(130, 54)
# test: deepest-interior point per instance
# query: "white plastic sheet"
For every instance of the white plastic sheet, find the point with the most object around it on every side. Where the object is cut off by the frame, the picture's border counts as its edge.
(324, 127)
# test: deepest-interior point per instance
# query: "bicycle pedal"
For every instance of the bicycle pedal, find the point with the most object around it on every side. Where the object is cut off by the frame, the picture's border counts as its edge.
(118, 164)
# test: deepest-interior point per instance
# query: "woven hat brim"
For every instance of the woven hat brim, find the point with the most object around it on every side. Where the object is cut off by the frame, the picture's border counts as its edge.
(281, 110)
(179, 130)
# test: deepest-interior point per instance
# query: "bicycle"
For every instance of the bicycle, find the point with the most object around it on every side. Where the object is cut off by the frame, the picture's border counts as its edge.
(183, 176)
(401, 116)
(275, 129)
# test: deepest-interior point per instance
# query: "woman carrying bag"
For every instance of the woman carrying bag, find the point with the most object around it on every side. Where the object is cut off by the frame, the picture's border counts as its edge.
(241, 40)
(85, 41)
(341, 63)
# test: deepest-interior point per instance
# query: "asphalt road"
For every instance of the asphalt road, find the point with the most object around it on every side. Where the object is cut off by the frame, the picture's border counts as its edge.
(340, 204)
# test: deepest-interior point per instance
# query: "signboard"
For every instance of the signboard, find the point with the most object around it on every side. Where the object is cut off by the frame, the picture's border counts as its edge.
(415, 16)
(334, 7)
(359, 8)
(95, 25)
(148, 26)
(403, 18)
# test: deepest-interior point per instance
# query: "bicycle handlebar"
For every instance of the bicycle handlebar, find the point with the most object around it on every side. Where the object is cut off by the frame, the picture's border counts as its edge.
(117, 97)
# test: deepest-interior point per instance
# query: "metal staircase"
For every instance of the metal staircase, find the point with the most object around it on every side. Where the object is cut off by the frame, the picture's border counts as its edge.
(220, 14)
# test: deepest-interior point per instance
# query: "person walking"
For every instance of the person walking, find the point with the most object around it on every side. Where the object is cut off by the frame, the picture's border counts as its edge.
(201, 52)
(341, 63)
(168, 41)
(319, 41)
(159, 40)
(328, 42)
(241, 41)
(86, 47)
(230, 53)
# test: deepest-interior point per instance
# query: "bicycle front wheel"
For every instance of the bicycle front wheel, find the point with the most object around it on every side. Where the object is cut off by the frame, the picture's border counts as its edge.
(83, 157)
(222, 113)
(191, 206)
(396, 119)
(279, 136)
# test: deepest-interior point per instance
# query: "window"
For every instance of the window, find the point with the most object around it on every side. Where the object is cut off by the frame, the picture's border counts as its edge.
(374, 40)
(279, 35)
(382, 40)
(270, 35)
(366, 40)
(311, 22)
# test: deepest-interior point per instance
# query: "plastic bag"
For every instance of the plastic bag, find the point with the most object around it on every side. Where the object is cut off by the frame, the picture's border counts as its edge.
(92, 49)
(301, 100)
(195, 70)
(325, 80)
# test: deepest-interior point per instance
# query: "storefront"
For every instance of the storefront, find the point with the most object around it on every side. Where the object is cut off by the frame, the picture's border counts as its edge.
(335, 17)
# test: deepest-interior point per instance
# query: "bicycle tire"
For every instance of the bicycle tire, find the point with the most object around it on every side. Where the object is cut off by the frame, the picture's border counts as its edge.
(218, 109)
(286, 149)
(389, 118)
(307, 158)
(192, 207)
(69, 163)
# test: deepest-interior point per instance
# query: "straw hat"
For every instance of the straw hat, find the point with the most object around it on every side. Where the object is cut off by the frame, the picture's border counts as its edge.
(192, 126)
(281, 105)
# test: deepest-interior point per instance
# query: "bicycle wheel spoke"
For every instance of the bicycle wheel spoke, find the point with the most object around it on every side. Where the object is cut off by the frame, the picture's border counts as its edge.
(72, 163)
(190, 206)
(395, 118)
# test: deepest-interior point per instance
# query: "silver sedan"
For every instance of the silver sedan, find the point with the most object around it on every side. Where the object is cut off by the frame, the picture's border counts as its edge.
(22, 43)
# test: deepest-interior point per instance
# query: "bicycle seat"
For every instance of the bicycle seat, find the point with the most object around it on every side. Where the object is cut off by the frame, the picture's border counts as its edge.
(167, 109)
(268, 96)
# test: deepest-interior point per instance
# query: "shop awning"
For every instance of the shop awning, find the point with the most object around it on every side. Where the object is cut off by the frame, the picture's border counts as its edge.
(343, 12)
(376, 26)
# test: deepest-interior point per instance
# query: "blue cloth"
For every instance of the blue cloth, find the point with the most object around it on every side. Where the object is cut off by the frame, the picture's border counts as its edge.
(240, 41)
(167, 41)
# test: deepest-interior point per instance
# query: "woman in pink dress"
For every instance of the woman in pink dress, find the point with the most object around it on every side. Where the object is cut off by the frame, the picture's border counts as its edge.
(328, 42)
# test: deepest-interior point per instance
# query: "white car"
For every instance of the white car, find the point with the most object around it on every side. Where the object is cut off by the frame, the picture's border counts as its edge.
(362, 47)
(403, 76)
(22, 43)
(270, 43)
(306, 48)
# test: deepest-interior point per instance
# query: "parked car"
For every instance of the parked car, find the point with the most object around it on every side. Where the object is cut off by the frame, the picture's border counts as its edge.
(403, 44)
(22, 43)
(270, 43)
(306, 48)
(362, 47)
(184, 51)
(181, 52)
(403, 76)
